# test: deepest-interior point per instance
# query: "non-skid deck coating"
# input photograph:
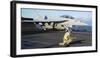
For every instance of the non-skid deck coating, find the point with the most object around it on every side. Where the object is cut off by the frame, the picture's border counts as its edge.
(52, 39)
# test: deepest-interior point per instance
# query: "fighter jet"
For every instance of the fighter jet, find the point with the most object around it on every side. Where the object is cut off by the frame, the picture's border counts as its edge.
(58, 23)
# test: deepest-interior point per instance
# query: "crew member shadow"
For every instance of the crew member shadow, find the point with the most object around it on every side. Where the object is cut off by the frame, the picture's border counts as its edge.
(76, 42)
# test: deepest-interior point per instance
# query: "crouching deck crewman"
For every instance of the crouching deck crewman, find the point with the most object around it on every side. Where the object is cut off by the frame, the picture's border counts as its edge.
(67, 39)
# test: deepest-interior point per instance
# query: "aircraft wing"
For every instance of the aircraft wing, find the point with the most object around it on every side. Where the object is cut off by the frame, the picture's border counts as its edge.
(77, 22)
(73, 22)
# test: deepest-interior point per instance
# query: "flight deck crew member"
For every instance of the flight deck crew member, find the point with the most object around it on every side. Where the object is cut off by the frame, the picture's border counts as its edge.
(67, 37)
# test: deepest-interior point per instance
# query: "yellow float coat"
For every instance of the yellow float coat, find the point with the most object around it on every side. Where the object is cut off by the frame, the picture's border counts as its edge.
(67, 38)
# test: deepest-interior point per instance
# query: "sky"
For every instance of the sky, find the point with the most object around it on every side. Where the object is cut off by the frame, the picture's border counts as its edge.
(85, 16)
